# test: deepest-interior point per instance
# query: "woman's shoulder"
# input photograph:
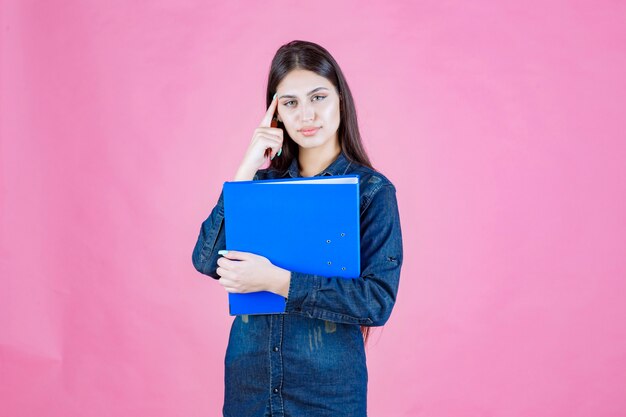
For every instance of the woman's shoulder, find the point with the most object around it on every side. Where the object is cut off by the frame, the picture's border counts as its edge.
(370, 178)
(373, 185)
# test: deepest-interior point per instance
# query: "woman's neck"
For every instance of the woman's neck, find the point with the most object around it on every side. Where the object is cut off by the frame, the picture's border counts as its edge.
(313, 160)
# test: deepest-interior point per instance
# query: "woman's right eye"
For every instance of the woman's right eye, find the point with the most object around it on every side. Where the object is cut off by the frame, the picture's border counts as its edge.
(287, 103)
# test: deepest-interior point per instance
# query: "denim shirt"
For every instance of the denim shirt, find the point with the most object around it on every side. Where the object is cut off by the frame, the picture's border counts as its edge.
(311, 360)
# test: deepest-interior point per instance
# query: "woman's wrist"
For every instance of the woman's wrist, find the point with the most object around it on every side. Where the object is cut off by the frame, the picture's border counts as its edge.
(244, 174)
(281, 282)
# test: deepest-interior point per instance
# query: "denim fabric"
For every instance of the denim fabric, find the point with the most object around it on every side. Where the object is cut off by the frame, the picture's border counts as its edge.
(311, 360)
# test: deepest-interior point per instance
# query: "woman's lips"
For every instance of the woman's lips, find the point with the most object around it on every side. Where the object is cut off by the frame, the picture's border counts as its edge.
(309, 132)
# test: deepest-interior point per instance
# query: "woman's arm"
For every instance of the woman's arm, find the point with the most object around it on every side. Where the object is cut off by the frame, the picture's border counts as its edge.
(211, 239)
(368, 299)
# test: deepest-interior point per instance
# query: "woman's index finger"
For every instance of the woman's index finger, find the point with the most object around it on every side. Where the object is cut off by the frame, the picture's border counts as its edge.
(267, 119)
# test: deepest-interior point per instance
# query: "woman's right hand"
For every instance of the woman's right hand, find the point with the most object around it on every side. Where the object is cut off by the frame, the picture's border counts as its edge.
(265, 137)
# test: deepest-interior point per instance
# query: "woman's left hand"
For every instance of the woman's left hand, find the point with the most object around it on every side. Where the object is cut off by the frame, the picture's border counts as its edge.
(242, 272)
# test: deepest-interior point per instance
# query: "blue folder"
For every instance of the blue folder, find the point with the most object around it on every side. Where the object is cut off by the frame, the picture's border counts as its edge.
(309, 225)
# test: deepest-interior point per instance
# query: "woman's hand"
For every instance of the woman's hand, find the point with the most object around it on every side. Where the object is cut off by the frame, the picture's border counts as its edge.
(242, 272)
(265, 137)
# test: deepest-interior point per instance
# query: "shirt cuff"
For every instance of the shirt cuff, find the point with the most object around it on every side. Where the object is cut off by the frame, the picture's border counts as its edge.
(302, 290)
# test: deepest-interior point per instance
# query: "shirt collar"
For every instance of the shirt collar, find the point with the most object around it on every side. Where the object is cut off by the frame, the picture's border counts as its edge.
(338, 167)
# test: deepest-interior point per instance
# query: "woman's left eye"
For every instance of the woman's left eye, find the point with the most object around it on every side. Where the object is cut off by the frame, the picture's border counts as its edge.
(323, 97)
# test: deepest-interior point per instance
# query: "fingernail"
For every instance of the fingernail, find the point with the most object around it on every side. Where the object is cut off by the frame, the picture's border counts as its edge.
(275, 94)
(222, 252)
(279, 152)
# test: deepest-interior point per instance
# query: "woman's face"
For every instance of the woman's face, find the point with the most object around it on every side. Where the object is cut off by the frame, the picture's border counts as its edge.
(307, 100)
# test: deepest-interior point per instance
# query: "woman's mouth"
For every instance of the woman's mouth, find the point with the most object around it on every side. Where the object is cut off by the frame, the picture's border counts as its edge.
(309, 132)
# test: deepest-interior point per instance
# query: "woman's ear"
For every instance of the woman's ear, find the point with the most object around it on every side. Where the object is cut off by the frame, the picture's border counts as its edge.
(278, 118)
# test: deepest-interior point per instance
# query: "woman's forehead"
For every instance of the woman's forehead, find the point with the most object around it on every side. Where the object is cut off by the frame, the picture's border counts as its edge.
(302, 82)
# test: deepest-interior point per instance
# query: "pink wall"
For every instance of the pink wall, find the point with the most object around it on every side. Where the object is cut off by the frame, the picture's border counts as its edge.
(501, 124)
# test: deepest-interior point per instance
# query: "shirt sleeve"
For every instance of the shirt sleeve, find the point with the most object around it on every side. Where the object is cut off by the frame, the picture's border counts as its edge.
(368, 299)
(211, 239)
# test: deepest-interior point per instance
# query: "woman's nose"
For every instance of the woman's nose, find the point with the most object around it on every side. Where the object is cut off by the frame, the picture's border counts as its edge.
(308, 112)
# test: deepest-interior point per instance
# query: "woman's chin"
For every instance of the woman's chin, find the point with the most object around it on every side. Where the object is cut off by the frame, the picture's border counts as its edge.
(311, 142)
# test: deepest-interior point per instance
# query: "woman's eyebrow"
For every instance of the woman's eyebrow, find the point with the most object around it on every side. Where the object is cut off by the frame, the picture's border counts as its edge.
(308, 94)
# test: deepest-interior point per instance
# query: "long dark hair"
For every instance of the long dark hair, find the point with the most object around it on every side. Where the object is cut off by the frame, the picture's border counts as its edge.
(312, 57)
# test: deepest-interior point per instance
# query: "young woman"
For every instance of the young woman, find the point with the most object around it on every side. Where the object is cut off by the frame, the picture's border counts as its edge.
(311, 360)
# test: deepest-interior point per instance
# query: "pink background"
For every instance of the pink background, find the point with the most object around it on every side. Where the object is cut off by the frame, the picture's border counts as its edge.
(501, 124)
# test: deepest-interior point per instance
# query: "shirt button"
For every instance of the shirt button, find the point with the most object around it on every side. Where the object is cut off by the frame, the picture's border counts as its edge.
(275, 390)
(275, 348)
